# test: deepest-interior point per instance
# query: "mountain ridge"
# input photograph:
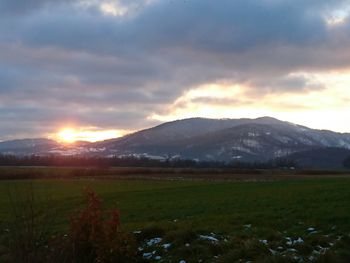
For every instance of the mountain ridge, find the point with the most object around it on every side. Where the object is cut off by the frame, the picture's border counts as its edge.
(244, 139)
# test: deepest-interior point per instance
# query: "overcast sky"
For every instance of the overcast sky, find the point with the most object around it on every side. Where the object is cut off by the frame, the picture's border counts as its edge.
(130, 64)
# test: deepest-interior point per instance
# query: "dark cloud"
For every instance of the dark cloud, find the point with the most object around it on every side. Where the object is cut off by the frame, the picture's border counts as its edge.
(20, 7)
(225, 26)
(69, 60)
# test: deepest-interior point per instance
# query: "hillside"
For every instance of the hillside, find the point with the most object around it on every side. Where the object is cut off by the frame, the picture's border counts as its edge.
(227, 140)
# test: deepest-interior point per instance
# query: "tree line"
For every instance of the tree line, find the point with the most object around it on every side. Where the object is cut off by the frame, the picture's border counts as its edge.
(132, 161)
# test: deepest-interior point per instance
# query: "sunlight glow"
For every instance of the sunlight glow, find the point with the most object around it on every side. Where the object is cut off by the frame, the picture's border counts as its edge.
(113, 9)
(67, 135)
(235, 101)
(71, 135)
(337, 17)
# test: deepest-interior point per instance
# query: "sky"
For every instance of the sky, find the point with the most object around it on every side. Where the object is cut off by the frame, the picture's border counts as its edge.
(103, 68)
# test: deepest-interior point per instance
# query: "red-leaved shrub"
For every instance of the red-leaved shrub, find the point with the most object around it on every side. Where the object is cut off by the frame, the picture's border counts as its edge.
(94, 239)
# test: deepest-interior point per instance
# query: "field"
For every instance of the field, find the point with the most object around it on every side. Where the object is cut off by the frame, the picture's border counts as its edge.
(262, 219)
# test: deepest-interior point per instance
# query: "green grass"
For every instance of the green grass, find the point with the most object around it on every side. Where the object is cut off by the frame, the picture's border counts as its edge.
(182, 209)
(282, 204)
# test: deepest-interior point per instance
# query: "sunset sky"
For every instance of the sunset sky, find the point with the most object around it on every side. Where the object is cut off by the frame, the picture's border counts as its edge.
(105, 68)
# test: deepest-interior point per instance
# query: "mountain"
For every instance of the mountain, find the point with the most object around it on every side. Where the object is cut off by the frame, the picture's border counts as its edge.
(258, 139)
(247, 140)
(322, 158)
(42, 146)
(27, 146)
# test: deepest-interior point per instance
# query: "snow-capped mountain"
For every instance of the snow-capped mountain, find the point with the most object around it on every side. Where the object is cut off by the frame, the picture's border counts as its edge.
(41, 146)
(27, 146)
(258, 139)
(226, 139)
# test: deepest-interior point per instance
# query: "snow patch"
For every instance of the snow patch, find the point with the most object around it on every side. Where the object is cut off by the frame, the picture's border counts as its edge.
(154, 241)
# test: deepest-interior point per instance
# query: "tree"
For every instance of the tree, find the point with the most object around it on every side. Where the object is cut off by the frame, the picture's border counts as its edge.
(346, 162)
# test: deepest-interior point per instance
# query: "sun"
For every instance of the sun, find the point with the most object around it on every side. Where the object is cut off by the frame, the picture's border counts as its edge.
(70, 135)
(67, 135)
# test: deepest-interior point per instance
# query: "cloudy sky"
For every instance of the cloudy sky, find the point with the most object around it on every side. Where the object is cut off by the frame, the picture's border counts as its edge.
(118, 66)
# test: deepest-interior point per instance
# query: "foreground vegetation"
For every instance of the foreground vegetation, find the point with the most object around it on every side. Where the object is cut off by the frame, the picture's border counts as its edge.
(133, 161)
(200, 221)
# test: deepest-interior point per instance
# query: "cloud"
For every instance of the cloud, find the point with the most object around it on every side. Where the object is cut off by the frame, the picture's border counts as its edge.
(73, 60)
(19, 7)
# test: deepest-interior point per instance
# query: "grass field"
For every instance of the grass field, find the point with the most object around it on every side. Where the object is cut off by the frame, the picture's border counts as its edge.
(210, 221)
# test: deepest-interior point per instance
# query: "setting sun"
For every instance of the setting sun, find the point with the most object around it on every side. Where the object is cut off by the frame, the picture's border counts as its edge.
(70, 135)
(67, 135)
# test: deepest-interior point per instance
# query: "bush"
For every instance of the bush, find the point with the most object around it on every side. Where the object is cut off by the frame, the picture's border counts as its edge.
(93, 239)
